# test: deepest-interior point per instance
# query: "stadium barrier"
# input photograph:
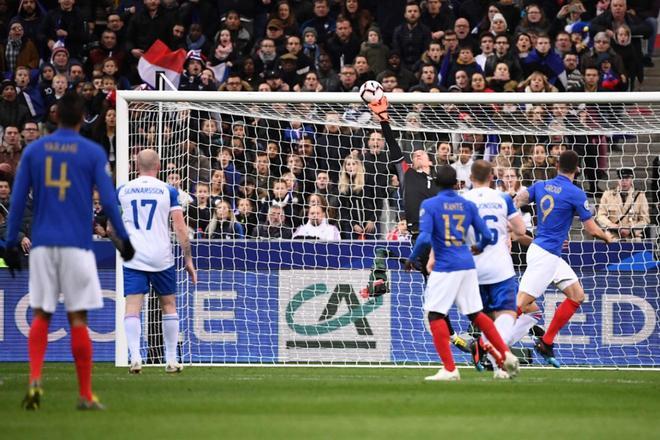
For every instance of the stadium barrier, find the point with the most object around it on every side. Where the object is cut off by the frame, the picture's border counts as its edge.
(299, 302)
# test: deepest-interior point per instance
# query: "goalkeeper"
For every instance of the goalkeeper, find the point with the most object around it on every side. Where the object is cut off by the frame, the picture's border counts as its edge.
(418, 183)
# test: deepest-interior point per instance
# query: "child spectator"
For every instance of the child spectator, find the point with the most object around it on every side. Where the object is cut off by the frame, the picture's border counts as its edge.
(223, 225)
(246, 216)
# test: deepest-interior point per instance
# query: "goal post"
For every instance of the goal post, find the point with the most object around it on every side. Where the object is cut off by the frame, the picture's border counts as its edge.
(265, 297)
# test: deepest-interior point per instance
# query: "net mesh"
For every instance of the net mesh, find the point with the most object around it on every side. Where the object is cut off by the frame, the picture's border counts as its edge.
(250, 175)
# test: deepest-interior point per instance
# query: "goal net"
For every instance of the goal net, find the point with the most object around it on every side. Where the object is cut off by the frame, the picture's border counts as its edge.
(294, 210)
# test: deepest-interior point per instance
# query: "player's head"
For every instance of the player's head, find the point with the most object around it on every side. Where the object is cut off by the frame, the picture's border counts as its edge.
(568, 162)
(481, 172)
(446, 177)
(148, 162)
(70, 110)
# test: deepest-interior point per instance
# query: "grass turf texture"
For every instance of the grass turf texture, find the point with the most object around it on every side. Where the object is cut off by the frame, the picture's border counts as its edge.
(337, 403)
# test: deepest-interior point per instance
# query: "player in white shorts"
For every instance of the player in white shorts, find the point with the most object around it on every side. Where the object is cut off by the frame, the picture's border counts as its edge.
(147, 205)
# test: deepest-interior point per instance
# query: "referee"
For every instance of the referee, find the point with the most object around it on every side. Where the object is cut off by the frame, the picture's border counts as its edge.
(419, 183)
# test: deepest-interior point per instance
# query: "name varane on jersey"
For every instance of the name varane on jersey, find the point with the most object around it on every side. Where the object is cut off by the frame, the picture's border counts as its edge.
(62, 169)
(146, 203)
(494, 264)
(557, 201)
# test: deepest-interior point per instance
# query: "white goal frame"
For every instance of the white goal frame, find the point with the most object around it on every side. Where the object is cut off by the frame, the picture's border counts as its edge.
(124, 97)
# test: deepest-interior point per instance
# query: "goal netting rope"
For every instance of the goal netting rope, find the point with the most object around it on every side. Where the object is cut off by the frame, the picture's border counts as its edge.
(255, 172)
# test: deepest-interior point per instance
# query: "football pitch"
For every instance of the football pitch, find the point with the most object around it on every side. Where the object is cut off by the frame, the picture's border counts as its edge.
(335, 403)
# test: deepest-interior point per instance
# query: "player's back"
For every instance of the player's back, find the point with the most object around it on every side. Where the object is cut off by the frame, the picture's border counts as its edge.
(557, 201)
(62, 171)
(146, 203)
(494, 264)
(447, 216)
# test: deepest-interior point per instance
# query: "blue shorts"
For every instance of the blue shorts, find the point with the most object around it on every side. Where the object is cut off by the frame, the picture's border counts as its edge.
(137, 282)
(499, 296)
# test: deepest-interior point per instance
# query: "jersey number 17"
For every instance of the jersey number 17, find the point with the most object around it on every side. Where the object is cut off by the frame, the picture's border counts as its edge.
(151, 203)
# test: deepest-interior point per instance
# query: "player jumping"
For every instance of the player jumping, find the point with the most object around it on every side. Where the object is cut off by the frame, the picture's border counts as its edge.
(557, 200)
(62, 170)
(444, 221)
(147, 205)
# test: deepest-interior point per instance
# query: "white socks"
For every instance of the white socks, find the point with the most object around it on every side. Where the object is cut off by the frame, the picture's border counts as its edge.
(170, 336)
(133, 330)
(521, 328)
(504, 325)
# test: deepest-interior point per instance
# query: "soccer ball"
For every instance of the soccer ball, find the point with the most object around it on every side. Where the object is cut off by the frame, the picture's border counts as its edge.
(371, 91)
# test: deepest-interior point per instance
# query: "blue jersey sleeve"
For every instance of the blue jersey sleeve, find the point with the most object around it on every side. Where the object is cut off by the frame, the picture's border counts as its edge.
(425, 219)
(532, 192)
(174, 196)
(510, 207)
(19, 196)
(581, 205)
(108, 195)
(482, 232)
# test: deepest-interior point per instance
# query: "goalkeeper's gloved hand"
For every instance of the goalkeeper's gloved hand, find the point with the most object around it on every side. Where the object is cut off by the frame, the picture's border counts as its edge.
(126, 249)
(380, 109)
(12, 257)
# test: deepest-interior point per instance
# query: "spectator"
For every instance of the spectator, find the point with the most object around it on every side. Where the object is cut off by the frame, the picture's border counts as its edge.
(110, 67)
(149, 24)
(464, 62)
(11, 148)
(324, 187)
(574, 78)
(18, 50)
(321, 22)
(356, 202)
(348, 79)
(405, 78)
(378, 174)
(428, 79)
(328, 77)
(501, 80)
(173, 178)
(432, 55)
(545, 60)
(443, 154)
(104, 133)
(412, 37)
(504, 159)
(12, 112)
(176, 38)
(265, 57)
(537, 82)
(200, 212)
(512, 186)
(462, 30)
(60, 59)
(623, 210)
(486, 43)
(303, 63)
(388, 80)
(311, 48)
(463, 165)
(31, 17)
(534, 21)
(438, 17)
(284, 197)
(602, 46)
(223, 225)
(246, 216)
(317, 226)
(275, 225)
(30, 132)
(485, 24)
(286, 16)
(223, 52)
(563, 43)
(503, 54)
(363, 70)
(234, 83)
(224, 162)
(400, 231)
(191, 78)
(343, 45)
(196, 40)
(65, 25)
(498, 25)
(630, 56)
(320, 200)
(376, 52)
(523, 45)
(537, 167)
(610, 80)
(29, 95)
(275, 32)
(240, 36)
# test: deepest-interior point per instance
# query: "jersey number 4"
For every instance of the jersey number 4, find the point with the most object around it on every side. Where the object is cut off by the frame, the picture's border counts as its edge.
(151, 203)
(62, 183)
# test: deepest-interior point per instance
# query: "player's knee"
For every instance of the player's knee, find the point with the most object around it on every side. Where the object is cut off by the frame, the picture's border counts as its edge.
(434, 316)
(575, 293)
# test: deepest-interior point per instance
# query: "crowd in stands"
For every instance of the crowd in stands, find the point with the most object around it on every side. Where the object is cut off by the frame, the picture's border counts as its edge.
(324, 181)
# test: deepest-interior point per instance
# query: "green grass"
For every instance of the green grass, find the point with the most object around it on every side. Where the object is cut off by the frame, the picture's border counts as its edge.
(335, 403)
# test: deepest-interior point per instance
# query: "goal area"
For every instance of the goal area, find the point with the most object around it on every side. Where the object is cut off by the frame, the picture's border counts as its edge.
(261, 176)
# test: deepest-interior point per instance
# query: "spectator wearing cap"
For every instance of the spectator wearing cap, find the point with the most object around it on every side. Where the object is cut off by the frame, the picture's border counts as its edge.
(265, 57)
(623, 210)
(65, 24)
(411, 37)
(438, 16)
(274, 80)
(310, 46)
(344, 45)
(275, 31)
(375, 50)
(544, 59)
(12, 112)
(151, 23)
(18, 50)
(322, 21)
(191, 78)
(59, 58)
(602, 46)
(288, 62)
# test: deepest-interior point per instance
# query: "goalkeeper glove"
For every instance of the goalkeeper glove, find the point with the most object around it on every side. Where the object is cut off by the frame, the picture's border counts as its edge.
(126, 249)
(380, 109)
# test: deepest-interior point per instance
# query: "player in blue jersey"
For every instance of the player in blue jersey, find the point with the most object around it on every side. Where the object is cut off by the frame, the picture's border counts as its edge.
(557, 201)
(444, 223)
(497, 278)
(147, 206)
(62, 170)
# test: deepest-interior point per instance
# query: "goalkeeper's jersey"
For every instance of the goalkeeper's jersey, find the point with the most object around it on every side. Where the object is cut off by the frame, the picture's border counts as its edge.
(146, 203)
(494, 264)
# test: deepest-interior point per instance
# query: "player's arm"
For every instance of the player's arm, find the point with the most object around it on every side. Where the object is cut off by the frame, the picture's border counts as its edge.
(19, 196)
(523, 198)
(109, 202)
(594, 230)
(181, 231)
(379, 108)
(482, 233)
